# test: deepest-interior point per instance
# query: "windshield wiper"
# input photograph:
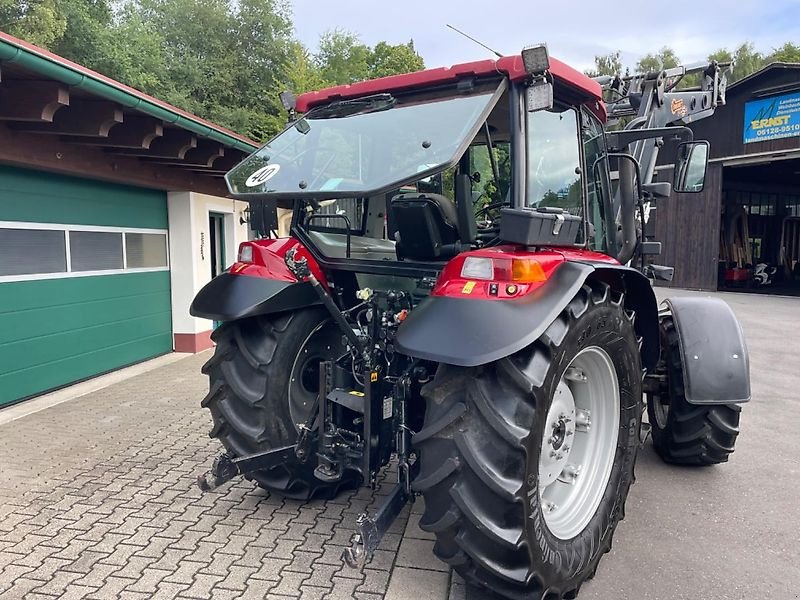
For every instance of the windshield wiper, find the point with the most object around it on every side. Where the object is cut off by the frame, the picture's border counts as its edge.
(346, 108)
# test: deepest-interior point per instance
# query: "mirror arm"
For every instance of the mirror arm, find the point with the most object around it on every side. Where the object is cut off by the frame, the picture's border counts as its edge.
(608, 217)
(621, 139)
(629, 196)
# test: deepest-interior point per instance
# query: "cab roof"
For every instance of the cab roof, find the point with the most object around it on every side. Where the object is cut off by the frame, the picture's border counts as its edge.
(510, 66)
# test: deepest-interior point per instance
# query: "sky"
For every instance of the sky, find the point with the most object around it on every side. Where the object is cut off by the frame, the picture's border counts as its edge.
(573, 32)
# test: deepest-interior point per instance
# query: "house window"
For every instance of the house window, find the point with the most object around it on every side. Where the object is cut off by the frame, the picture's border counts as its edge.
(26, 251)
(31, 251)
(146, 250)
(95, 250)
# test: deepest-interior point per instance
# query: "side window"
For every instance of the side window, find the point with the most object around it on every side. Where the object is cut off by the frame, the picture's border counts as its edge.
(597, 184)
(480, 162)
(554, 178)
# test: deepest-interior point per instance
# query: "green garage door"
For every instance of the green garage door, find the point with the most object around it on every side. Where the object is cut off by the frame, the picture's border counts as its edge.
(84, 279)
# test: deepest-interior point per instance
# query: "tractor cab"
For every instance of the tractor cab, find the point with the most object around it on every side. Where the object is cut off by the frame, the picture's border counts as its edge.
(418, 168)
(407, 172)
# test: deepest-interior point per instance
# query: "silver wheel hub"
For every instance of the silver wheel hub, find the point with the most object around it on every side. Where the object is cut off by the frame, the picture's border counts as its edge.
(559, 432)
(579, 443)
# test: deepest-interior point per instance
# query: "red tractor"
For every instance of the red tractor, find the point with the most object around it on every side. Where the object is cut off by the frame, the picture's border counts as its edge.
(466, 290)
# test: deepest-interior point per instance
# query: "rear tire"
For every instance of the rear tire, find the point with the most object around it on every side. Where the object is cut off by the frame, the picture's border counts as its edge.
(263, 377)
(683, 433)
(483, 472)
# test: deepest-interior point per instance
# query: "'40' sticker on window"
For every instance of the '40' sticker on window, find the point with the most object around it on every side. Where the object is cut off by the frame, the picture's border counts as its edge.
(263, 174)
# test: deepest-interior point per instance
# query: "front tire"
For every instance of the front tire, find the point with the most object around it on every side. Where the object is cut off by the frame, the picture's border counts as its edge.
(683, 433)
(263, 377)
(496, 470)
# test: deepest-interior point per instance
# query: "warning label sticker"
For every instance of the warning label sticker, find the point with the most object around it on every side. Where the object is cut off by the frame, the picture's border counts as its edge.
(387, 408)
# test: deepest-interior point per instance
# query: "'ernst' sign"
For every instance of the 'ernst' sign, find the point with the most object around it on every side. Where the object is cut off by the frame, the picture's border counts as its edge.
(772, 118)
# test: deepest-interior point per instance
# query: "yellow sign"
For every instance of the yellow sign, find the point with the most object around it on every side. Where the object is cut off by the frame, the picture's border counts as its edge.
(771, 122)
(468, 287)
(373, 377)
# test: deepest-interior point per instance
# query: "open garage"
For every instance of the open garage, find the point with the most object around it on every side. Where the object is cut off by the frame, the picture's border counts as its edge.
(742, 232)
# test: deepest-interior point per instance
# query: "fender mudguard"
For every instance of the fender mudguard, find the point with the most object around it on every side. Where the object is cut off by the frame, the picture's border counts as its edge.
(259, 287)
(716, 365)
(470, 332)
(228, 297)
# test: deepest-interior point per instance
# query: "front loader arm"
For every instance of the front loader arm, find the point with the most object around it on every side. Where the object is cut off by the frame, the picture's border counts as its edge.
(654, 110)
(653, 95)
(653, 103)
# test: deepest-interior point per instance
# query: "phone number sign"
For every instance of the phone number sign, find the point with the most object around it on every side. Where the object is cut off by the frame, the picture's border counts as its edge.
(772, 118)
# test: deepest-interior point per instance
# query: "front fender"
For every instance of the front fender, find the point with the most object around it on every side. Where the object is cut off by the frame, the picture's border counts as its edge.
(261, 286)
(228, 297)
(716, 365)
(469, 332)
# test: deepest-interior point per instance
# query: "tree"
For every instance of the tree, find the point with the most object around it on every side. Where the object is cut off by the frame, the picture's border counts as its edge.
(36, 21)
(386, 59)
(342, 58)
(663, 59)
(607, 64)
(789, 52)
(302, 74)
(226, 63)
(746, 60)
(263, 49)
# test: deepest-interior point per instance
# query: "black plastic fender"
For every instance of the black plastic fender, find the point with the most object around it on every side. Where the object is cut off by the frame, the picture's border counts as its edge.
(468, 332)
(716, 365)
(228, 297)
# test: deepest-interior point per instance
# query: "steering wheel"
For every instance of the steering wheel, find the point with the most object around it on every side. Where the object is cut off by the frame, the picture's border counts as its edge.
(490, 207)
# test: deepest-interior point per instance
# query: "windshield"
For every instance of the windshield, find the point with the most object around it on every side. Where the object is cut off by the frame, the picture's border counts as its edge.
(352, 147)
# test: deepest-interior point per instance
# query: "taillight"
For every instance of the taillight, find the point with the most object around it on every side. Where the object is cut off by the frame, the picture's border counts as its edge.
(519, 270)
(477, 267)
(526, 270)
(245, 253)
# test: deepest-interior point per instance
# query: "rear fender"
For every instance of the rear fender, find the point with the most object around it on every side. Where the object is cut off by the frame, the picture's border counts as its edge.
(262, 286)
(716, 365)
(473, 331)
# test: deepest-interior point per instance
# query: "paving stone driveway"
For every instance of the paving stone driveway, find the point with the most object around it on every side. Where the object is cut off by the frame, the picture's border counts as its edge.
(97, 501)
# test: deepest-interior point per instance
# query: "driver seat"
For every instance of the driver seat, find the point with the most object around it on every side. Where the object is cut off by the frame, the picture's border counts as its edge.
(426, 226)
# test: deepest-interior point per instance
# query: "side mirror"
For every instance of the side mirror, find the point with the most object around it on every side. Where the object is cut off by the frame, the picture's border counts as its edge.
(690, 167)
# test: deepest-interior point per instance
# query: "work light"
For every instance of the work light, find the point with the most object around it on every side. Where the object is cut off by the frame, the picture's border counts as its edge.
(535, 59)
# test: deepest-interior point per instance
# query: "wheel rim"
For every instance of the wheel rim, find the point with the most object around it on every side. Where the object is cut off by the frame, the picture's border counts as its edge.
(579, 443)
(323, 343)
